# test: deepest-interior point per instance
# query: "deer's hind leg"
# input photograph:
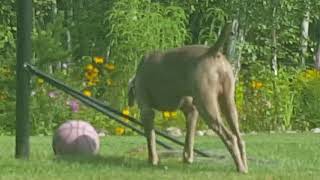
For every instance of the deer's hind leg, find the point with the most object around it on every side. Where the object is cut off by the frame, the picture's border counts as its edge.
(209, 109)
(229, 108)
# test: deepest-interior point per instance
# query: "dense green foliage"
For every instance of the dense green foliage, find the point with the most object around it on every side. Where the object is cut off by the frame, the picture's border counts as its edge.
(272, 156)
(95, 46)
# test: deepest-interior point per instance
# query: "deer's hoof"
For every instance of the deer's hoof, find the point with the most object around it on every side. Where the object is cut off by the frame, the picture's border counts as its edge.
(187, 160)
(154, 162)
(243, 170)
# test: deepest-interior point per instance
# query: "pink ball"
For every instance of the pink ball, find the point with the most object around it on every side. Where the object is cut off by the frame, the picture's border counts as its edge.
(75, 137)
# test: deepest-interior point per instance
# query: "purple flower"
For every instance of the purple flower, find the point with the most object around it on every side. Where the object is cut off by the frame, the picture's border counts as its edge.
(74, 105)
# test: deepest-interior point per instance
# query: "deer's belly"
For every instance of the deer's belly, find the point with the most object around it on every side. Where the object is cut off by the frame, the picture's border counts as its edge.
(166, 102)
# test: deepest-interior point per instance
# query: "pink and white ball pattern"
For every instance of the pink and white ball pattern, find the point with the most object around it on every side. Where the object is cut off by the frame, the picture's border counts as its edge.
(75, 137)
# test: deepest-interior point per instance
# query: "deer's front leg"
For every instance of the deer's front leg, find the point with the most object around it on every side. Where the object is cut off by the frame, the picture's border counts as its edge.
(147, 117)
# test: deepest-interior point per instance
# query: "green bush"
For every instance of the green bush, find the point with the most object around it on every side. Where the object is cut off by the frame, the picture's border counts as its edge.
(307, 100)
(135, 27)
(288, 101)
(7, 90)
(265, 101)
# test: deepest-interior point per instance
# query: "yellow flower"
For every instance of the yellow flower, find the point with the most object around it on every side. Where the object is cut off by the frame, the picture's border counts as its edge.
(98, 60)
(312, 73)
(3, 97)
(256, 84)
(92, 82)
(169, 114)
(5, 71)
(87, 93)
(166, 114)
(95, 70)
(110, 66)
(92, 74)
(173, 114)
(89, 67)
(109, 82)
(40, 81)
(126, 111)
(119, 131)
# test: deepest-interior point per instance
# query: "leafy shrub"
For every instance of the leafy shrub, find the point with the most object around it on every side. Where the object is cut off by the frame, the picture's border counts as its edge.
(307, 100)
(265, 101)
(135, 27)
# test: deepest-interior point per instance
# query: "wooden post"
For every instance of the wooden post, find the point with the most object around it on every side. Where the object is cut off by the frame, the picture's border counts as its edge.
(24, 27)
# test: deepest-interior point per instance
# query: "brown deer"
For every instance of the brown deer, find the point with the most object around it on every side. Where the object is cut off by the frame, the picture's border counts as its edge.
(197, 80)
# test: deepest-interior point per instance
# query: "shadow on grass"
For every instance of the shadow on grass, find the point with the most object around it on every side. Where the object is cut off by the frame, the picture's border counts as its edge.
(122, 161)
(168, 163)
(136, 163)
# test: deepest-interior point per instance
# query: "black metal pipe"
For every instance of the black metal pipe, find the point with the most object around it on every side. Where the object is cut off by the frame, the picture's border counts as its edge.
(86, 101)
(102, 107)
(24, 27)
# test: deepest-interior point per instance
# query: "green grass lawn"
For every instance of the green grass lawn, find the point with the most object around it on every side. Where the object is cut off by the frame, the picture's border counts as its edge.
(272, 156)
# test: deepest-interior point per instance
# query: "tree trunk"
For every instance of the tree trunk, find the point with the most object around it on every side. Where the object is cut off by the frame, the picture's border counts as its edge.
(305, 36)
(237, 66)
(58, 65)
(231, 42)
(68, 23)
(231, 51)
(317, 55)
(274, 66)
(274, 62)
(68, 39)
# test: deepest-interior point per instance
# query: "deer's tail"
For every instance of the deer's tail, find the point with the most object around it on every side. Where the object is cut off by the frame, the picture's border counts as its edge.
(225, 33)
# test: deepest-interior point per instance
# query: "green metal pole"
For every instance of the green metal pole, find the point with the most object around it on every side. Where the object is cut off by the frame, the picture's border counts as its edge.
(24, 27)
